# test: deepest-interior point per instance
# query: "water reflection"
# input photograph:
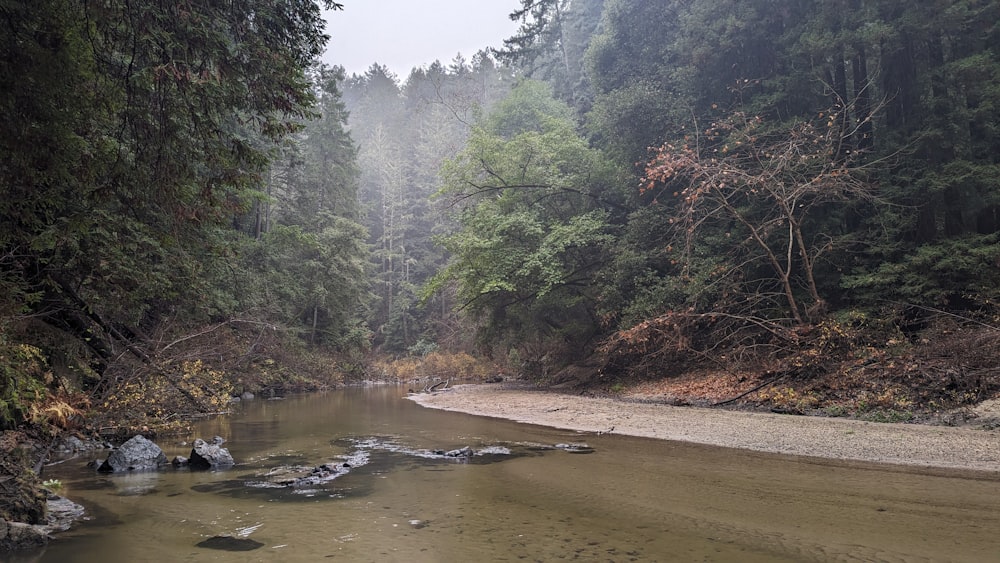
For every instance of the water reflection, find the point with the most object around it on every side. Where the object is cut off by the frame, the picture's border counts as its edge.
(630, 500)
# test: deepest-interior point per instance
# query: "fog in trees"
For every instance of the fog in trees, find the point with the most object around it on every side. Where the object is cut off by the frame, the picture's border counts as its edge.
(406, 131)
(190, 201)
(814, 165)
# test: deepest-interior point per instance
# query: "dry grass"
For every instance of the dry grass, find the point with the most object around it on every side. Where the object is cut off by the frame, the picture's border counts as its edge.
(63, 411)
(458, 366)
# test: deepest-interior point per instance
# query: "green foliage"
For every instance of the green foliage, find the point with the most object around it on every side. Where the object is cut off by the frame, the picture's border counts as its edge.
(54, 485)
(529, 107)
(953, 274)
(137, 140)
(405, 133)
(22, 381)
(550, 44)
(422, 348)
(532, 230)
(638, 100)
(914, 88)
(155, 128)
(312, 279)
(308, 257)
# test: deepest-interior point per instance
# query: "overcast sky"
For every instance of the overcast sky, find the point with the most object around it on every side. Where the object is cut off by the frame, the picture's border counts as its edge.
(402, 34)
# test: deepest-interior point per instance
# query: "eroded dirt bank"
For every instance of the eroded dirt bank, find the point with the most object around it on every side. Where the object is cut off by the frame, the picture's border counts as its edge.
(832, 438)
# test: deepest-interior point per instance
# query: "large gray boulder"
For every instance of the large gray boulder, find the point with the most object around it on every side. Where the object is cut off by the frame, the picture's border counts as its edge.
(210, 455)
(137, 454)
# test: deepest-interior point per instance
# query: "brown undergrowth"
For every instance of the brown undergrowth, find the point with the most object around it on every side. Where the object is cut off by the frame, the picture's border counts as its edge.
(197, 376)
(846, 367)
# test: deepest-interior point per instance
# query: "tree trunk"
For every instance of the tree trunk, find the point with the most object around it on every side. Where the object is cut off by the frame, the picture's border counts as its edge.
(784, 274)
(312, 337)
(862, 101)
(562, 42)
(807, 267)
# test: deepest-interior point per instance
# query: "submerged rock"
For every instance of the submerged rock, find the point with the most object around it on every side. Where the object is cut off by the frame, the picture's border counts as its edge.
(137, 454)
(301, 477)
(578, 448)
(229, 543)
(493, 450)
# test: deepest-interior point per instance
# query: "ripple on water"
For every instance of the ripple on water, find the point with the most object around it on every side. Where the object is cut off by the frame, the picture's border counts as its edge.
(364, 457)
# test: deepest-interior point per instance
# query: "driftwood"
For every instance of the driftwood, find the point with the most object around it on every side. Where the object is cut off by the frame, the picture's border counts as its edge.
(439, 385)
(745, 393)
(45, 456)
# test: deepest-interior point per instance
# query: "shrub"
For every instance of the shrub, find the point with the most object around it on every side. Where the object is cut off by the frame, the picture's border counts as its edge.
(24, 370)
(443, 365)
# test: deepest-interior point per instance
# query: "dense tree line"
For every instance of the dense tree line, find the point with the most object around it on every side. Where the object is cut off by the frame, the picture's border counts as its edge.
(783, 164)
(168, 170)
(405, 132)
(621, 184)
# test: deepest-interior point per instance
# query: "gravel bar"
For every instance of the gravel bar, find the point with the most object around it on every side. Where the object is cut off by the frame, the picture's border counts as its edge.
(831, 438)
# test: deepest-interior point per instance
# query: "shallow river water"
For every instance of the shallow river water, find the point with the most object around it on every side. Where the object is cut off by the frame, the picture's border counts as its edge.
(629, 499)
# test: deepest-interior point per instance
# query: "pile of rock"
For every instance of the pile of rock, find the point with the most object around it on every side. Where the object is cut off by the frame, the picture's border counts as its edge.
(459, 453)
(317, 475)
(140, 454)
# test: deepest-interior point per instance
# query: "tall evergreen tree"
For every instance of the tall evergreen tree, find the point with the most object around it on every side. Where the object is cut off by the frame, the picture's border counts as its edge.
(550, 43)
(405, 133)
(316, 254)
(132, 133)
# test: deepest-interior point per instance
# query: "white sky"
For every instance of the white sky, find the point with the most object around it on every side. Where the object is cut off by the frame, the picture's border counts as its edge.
(402, 34)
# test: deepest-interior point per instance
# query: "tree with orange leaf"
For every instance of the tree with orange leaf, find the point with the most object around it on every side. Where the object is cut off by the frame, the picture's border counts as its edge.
(763, 187)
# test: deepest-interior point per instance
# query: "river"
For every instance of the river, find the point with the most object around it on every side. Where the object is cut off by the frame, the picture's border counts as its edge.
(622, 499)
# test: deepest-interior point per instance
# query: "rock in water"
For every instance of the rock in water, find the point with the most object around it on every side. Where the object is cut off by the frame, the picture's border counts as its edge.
(18, 536)
(229, 543)
(137, 454)
(209, 456)
(62, 512)
(461, 452)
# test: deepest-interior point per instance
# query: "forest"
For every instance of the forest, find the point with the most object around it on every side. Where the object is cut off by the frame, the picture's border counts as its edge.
(795, 199)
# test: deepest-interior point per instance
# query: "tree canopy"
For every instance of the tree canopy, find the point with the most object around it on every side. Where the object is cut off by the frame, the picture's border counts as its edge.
(136, 139)
(787, 164)
(621, 184)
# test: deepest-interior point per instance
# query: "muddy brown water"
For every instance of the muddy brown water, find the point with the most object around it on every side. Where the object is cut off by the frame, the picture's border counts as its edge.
(630, 499)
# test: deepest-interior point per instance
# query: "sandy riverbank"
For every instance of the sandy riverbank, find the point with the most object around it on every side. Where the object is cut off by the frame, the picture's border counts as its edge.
(833, 438)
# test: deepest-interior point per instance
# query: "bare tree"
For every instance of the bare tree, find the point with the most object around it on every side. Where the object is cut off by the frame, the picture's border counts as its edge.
(742, 175)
